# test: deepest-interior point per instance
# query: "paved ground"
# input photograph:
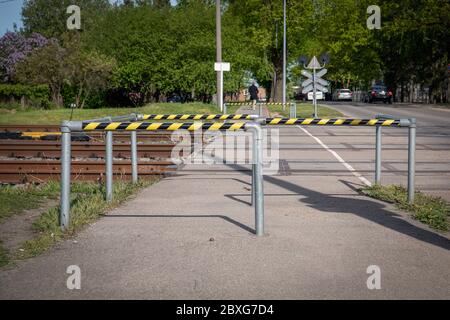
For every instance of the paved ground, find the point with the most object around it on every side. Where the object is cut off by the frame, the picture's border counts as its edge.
(433, 145)
(191, 236)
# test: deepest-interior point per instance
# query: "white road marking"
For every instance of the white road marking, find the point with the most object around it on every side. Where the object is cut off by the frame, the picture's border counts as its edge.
(339, 158)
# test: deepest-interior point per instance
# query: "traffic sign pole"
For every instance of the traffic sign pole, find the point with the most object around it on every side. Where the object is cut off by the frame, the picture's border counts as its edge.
(314, 93)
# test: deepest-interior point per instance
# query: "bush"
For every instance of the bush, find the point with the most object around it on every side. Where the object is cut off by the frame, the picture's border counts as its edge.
(33, 96)
(94, 101)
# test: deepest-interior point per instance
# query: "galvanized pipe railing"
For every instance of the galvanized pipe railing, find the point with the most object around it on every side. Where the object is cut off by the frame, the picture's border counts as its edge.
(67, 127)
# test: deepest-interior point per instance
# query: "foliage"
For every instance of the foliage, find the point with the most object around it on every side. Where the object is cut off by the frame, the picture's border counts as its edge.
(56, 116)
(170, 51)
(16, 199)
(414, 43)
(433, 211)
(89, 205)
(87, 71)
(45, 66)
(37, 95)
(14, 47)
(162, 49)
(48, 17)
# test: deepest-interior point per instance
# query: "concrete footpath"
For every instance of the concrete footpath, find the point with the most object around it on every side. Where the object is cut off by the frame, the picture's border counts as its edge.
(191, 237)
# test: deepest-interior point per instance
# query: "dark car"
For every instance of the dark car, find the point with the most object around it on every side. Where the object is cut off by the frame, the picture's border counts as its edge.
(378, 93)
(174, 99)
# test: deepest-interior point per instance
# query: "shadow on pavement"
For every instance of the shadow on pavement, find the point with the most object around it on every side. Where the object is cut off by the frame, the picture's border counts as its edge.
(228, 219)
(366, 209)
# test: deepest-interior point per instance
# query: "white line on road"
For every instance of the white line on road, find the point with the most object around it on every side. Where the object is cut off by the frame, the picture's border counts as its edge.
(339, 158)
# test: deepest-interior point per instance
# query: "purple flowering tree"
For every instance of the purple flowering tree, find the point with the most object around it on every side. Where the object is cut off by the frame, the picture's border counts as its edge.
(14, 47)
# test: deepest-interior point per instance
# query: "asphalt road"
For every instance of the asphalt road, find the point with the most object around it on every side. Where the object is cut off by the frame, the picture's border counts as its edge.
(432, 149)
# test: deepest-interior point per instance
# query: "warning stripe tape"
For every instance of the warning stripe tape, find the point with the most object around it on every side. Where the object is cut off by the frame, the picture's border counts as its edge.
(196, 117)
(152, 126)
(332, 122)
(249, 103)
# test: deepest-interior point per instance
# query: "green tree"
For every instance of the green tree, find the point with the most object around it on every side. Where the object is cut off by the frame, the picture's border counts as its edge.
(49, 17)
(45, 66)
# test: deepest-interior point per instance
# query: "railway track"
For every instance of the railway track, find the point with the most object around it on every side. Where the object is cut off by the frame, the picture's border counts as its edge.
(53, 131)
(52, 149)
(41, 170)
(30, 160)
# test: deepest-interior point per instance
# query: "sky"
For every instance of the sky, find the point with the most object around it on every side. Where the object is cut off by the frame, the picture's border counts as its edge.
(10, 14)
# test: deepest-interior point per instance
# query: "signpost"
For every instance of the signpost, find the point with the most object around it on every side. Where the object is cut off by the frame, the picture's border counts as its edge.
(314, 81)
(221, 67)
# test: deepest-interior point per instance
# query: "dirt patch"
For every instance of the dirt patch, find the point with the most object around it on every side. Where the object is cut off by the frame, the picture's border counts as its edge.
(18, 228)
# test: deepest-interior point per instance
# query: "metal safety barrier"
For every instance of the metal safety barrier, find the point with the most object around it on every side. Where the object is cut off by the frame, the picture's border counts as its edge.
(154, 126)
(198, 117)
(378, 122)
(338, 122)
(292, 106)
(67, 127)
(130, 123)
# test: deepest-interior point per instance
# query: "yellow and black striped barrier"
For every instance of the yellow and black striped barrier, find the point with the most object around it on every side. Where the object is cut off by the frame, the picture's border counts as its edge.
(333, 122)
(167, 126)
(39, 135)
(249, 103)
(197, 117)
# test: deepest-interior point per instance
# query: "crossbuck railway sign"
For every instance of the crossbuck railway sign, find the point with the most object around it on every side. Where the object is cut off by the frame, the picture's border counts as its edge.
(308, 84)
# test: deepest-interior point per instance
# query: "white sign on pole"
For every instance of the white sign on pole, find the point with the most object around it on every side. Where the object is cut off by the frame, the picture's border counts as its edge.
(321, 88)
(307, 89)
(307, 74)
(320, 83)
(222, 66)
(314, 64)
(319, 95)
(306, 83)
(321, 73)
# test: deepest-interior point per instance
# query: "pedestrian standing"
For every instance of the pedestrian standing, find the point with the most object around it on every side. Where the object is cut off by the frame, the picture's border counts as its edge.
(253, 90)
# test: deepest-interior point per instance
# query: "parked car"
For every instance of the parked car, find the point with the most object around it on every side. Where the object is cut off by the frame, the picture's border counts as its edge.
(378, 93)
(174, 99)
(343, 94)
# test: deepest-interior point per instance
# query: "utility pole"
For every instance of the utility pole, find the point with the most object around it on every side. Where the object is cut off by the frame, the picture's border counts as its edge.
(284, 53)
(219, 54)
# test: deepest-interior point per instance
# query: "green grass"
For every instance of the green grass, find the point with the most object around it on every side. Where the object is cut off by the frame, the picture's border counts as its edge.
(16, 199)
(433, 211)
(4, 256)
(86, 206)
(55, 116)
(306, 110)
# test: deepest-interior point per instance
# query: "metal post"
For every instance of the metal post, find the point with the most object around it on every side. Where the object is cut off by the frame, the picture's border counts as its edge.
(260, 109)
(378, 155)
(254, 146)
(219, 54)
(134, 156)
(224, 108)
(293, 110)
(258, 180)
(109, 165)
(64, 218)
(284, 53)
(411, 159)
(314, 93)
